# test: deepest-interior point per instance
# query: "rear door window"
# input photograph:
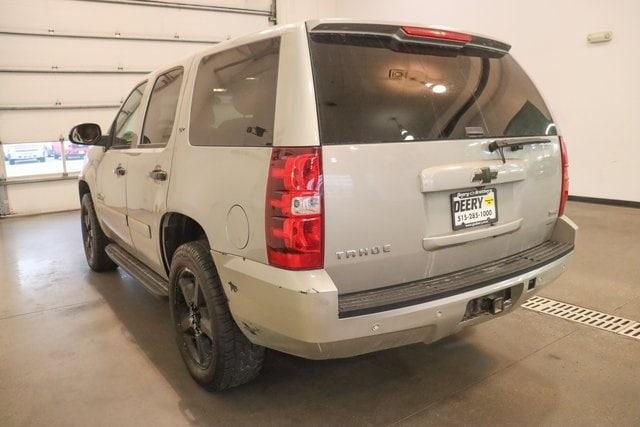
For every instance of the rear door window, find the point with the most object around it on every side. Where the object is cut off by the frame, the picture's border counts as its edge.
(234, 97)
(161, 112)
(369, 91)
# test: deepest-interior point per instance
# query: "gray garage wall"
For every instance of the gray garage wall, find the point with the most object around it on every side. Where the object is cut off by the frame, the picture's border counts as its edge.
(64, 62)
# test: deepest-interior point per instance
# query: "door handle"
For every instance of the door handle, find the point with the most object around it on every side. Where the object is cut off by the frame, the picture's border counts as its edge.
(158, 175)
(120, 171)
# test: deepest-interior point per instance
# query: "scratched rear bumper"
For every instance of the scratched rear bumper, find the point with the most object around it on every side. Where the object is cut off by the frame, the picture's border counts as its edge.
(297, 312)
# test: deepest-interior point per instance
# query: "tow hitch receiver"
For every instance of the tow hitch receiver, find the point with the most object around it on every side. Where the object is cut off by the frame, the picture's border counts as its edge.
(497, 305)
(494, 303)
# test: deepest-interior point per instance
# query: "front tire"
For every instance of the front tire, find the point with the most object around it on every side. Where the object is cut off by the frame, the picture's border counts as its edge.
(217, 354)
(93, 238)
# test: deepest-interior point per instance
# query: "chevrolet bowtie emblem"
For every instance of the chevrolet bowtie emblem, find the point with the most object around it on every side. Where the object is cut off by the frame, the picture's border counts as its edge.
(484, 175)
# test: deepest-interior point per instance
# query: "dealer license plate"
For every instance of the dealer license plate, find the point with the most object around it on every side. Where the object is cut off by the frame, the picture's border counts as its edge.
(473, 208)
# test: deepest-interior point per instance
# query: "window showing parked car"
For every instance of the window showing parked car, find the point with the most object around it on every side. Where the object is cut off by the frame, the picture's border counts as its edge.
(42, 158)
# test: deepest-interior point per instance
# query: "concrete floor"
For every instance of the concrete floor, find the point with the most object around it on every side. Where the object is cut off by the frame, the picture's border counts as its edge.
(80, 348)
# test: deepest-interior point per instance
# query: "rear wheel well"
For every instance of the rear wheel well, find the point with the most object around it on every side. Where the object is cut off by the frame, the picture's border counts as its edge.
(177, 229)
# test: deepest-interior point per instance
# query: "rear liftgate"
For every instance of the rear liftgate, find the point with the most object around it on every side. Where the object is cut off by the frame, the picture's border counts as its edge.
(437, 147)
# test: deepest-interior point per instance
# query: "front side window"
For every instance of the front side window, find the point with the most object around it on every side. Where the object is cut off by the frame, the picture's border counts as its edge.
(161, 112)
(129, 119)
(234, 97)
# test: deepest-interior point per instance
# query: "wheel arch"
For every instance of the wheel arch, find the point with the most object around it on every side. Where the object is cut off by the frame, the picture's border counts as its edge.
(176, 229)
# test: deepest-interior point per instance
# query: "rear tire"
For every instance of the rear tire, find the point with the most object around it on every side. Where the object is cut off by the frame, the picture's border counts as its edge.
(217, 354)
(93, 238)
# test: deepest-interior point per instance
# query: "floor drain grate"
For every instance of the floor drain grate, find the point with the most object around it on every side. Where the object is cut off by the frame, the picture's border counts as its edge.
(586, 316)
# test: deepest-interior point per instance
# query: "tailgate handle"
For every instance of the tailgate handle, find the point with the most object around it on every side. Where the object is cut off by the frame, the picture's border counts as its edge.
(439, 242)
(463, 175)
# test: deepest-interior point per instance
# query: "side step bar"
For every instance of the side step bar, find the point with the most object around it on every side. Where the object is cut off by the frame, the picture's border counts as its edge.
(148, 278)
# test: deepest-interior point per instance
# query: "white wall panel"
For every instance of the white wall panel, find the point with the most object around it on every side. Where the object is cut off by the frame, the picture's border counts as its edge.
(48, 125)
(300, 10)
(40, 197)
(88, 16)
(32, 88)
(72, 53)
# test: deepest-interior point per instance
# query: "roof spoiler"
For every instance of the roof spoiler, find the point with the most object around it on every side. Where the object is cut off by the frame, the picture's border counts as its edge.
(415, 35)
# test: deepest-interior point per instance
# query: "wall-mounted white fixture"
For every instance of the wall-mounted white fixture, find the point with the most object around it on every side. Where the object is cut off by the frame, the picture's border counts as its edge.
(603, 36)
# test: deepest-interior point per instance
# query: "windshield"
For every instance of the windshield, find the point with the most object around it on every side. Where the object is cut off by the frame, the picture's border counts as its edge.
(369, 90)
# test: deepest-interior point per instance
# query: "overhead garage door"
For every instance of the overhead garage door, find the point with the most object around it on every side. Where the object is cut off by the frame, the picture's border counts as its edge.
(64, 62)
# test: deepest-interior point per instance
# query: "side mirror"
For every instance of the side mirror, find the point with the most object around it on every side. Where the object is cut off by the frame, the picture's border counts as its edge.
(86, 134)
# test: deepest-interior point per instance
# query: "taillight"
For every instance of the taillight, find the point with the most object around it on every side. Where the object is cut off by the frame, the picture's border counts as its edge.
(432, 33)
(564, 191)
(293, 221)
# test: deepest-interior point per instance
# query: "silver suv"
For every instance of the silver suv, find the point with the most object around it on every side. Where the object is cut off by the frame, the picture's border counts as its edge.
(328, 189)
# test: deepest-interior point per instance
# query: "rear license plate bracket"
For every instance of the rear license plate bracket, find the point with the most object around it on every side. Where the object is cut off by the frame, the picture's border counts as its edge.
(473, 208)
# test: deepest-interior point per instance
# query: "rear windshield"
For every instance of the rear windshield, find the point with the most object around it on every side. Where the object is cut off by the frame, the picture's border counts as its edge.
(366, 92)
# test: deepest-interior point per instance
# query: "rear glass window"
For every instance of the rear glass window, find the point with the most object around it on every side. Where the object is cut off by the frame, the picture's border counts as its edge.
(366, 92)
(234, 98)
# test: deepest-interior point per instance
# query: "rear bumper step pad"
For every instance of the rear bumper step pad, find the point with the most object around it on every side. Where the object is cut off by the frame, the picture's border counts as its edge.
(412, 293)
